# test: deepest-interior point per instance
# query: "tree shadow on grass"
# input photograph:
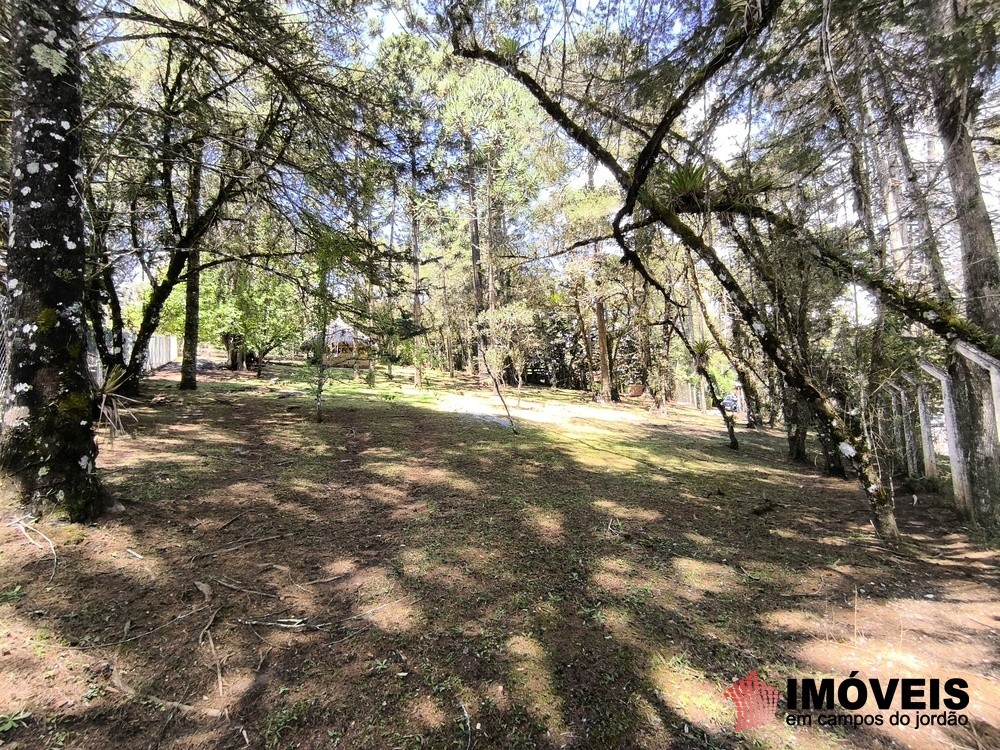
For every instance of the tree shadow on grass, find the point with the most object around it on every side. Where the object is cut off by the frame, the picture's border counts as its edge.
(403, 577)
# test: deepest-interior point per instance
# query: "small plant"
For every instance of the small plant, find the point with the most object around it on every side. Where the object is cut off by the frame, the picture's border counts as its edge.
(13, 720)
(111, 403)
(685, 180)
(638, 597)
(283, 720)
(11, 595)
(595, 614)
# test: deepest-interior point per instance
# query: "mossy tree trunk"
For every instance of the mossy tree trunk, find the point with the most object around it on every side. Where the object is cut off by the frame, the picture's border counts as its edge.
(953, 93)
(48, 444)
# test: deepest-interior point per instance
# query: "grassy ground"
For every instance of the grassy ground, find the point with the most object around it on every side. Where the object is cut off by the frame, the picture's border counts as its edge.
(410, 573)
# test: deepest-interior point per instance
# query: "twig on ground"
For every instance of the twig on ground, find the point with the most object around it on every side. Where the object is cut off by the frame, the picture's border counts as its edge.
(184, 708)
(242, 543)
(289, 624)
(204, 630)
(23, 524)
(324, 580)
(218, 674)
(234, 518)
(302, 624)
(468, 725)
(245, 591)
(260, 662)
(141, 635)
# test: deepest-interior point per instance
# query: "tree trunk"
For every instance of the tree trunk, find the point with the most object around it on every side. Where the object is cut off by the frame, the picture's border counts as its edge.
(832, 458)
(192, 291)
(102, 291)
(48, 444)
(917, 198)
(981, 271)
(608, 390)
(796, 427)
(418, 364)
(448, 346)
(477, 268)
(588, 350)
(470, 358)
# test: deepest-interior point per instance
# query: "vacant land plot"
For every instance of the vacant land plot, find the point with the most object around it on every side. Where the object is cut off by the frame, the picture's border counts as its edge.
(411, 573)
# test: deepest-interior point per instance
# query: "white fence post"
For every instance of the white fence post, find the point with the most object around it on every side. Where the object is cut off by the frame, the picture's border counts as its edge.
(959, 472)
(993, 367)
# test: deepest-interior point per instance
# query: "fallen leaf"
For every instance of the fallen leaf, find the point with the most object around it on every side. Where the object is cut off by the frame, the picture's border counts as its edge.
(205, 589)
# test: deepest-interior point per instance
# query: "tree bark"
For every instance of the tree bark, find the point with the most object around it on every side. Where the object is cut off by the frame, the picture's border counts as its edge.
(608, 390)
(192, 290)
(951, 90)
(477, 268)
(48, 444)
(418, 365)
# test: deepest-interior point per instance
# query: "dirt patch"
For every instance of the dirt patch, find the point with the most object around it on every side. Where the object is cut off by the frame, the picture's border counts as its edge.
(402, 576)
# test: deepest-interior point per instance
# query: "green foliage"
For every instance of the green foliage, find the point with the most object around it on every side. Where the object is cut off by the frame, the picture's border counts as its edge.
(701, 349)
(510, 331)
(11, 595)
(507, 48)
(686, 179)
(13, 720)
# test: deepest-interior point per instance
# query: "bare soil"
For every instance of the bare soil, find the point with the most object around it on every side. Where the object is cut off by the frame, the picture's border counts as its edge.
(410, 573)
